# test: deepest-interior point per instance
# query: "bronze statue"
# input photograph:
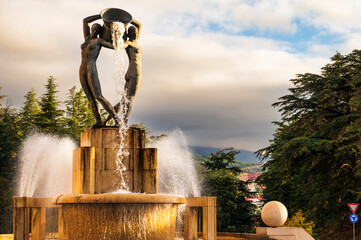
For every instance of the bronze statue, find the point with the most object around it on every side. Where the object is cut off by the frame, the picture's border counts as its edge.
(88, 71)
(133, 74)
(96, 38)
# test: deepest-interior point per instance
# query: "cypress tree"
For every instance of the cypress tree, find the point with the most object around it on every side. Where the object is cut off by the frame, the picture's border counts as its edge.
(29, 112)
(49, 118)
(10, 137)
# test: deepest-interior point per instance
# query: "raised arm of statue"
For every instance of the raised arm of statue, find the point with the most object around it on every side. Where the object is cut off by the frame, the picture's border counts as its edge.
(138, 25)
(106, 44)
(86, 24)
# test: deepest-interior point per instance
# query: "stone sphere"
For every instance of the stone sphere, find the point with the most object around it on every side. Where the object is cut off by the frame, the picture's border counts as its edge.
(274, 214)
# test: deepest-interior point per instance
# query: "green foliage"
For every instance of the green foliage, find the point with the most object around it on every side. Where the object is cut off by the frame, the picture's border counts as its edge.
(246, 164)
(316, 148)
(200, 159)
(223, 160)
(6, 193)
(2, 97)
(49, 118)
(43, 116)
(29, 112)
(78, 114)
(234, 213)
(10, 136)
(298, 220)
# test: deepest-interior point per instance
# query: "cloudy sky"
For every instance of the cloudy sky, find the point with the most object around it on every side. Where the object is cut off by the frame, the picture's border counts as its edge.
(209, 67)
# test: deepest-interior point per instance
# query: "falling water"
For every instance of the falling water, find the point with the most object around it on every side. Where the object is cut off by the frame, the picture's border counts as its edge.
(118, 30)
(45, 166)
(131, 221)
(176, 168)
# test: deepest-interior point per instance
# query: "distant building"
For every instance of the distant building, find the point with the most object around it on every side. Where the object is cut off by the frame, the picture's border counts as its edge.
(255, 200)
(256, 191)
(249, 176)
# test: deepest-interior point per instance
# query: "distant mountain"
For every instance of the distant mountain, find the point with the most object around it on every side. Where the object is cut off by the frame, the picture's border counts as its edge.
(243, 156)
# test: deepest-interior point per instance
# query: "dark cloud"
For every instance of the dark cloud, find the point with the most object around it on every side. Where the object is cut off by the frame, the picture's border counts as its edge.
(213, 120)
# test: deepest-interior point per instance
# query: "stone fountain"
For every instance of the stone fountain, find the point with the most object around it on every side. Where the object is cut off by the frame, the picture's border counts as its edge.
(94, 212)
(109, 159)
(114, 177)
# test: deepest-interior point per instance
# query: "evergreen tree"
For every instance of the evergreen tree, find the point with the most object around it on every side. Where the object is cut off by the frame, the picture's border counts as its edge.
(223, 160)
(78, 113)
(49, 118)
(234, 213)
(316, 148)
(29, 112)
(2, 97)
(10, 137)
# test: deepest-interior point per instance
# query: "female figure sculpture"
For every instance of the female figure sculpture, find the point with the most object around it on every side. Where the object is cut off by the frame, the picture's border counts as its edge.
(133, 74)
(88, 73)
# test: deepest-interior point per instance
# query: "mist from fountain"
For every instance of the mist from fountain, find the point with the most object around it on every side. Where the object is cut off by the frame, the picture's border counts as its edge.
(176, 167)
(45, 166)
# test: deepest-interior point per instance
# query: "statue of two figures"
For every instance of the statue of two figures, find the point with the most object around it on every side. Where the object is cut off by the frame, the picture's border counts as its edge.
(96, 37)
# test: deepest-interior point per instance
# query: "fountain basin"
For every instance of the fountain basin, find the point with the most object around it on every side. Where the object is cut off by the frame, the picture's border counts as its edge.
(119, 216)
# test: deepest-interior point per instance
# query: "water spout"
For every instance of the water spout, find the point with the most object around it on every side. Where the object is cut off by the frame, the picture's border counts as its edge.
(176, 168)
(45, 166)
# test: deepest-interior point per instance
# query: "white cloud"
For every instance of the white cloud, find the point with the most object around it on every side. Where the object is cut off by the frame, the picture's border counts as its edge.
(353, 42)
(275, 15)
(334, 15)
(209, 60)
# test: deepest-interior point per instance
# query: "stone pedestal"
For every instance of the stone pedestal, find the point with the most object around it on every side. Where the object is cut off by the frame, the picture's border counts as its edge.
(209, 210)
(282, 233)
(21, 217)
(95, 162)
(23, 220)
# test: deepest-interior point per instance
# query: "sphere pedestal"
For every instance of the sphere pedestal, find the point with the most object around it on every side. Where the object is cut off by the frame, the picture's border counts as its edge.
(274, 214)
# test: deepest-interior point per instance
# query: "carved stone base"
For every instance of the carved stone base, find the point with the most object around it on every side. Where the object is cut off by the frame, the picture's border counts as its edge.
(95, 168)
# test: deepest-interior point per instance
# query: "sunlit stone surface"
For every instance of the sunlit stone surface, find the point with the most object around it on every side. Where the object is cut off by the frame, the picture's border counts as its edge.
(274, 214)
(119, 216)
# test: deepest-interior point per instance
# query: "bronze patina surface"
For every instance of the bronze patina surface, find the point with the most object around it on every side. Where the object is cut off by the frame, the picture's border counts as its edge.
(96, 37)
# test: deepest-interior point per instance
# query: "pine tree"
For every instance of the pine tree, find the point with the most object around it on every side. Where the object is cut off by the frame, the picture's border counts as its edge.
(2, 97)
(316, 148)
(78, 113)
(29, 112)
(49, 118)
(10, 137)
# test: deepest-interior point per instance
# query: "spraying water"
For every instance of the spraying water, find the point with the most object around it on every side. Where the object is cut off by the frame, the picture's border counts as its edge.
(118, 30)
(176, 169)
(45, 166)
